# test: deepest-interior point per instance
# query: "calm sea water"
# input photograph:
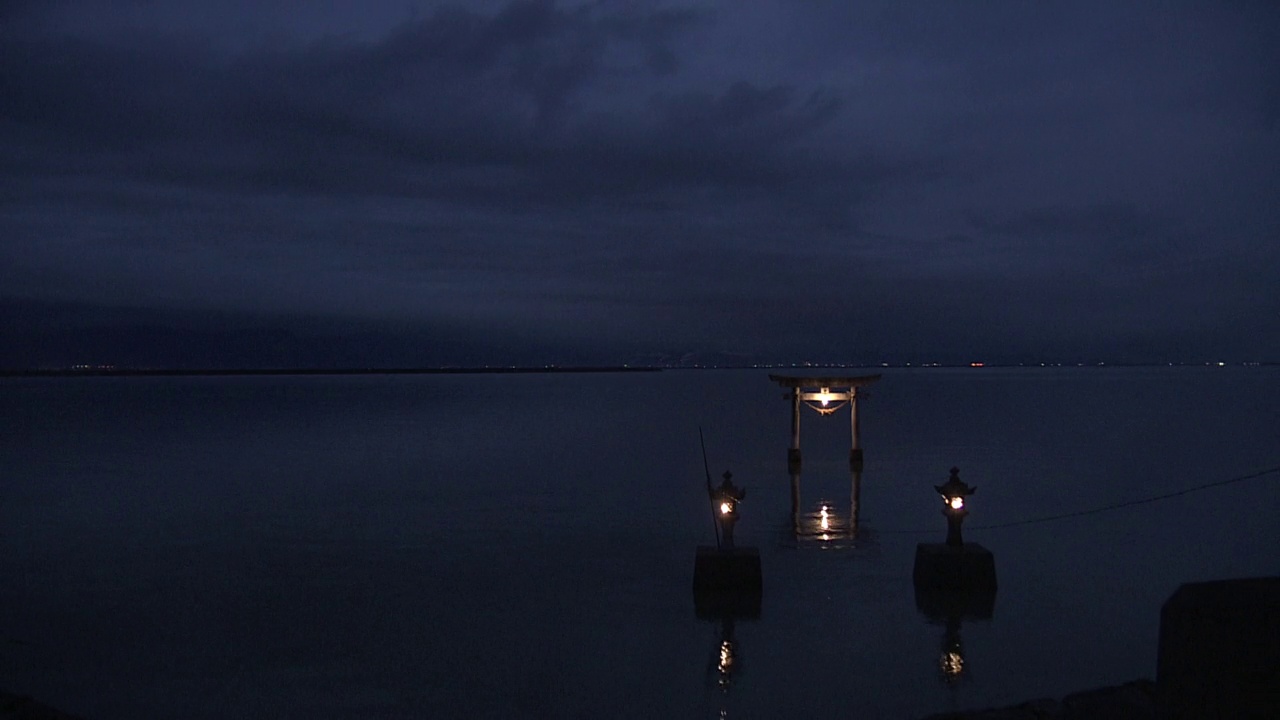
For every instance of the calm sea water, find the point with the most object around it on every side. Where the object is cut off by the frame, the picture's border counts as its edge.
(522, 546)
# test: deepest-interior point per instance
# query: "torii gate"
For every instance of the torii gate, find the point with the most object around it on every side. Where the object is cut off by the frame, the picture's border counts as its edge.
(825, 395)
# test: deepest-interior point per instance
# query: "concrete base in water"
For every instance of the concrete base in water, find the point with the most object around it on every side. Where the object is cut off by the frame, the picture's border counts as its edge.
(943, 604)
(968, 568)
(855, 459)
(794, 462)
(727, 582)
(1219, 650)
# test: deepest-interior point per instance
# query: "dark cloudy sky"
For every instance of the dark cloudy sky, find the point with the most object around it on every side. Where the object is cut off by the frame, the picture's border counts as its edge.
(404, 182)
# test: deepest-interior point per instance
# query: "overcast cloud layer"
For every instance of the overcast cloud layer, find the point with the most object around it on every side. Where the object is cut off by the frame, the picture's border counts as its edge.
(399, 183)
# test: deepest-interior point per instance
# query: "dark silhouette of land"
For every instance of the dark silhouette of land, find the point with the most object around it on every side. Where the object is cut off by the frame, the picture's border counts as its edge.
(171, 372)
(21, 707)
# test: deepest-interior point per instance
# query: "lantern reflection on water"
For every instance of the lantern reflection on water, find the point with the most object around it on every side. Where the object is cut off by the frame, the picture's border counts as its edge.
(725, 666)
(952, 665)
(951, 660)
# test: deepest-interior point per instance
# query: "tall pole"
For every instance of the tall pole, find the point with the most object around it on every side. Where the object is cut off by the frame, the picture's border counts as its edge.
(707, 468)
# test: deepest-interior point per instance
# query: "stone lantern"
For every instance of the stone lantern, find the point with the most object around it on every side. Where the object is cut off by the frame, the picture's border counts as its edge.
(953, 493)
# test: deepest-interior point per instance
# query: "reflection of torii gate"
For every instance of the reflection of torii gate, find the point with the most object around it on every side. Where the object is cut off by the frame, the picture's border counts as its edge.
(826, 395)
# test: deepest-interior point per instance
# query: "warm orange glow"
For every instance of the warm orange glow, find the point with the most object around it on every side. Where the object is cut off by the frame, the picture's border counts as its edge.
(725, 508)
(727, 661)
(956, 503)
(952, 663)
(825, 401)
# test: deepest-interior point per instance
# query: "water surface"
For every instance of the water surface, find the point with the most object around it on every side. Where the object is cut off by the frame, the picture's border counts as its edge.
(522, 546)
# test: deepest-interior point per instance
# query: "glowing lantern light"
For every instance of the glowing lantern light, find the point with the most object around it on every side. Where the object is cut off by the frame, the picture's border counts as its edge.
(825, 401)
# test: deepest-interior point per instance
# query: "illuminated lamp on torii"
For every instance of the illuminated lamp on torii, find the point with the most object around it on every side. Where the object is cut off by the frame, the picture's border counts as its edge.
(824, 395)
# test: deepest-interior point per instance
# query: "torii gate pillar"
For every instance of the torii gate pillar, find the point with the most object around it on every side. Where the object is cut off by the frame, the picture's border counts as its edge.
(855, 439)
(793, 453)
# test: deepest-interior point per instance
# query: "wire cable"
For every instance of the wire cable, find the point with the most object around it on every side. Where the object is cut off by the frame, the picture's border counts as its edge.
(1104, 508)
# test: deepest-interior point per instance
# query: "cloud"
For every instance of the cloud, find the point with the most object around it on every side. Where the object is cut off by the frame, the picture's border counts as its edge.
(456, 87)
(666, 174)
(514, 109)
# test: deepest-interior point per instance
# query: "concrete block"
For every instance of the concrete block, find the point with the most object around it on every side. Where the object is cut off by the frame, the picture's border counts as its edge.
(970, 568)
(943, 604)
(727, 583)
(1219, 652)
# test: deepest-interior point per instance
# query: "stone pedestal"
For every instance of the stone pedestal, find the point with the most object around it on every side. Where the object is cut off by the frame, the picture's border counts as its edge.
(727, 583)
(969, 568)
(1219, 650)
